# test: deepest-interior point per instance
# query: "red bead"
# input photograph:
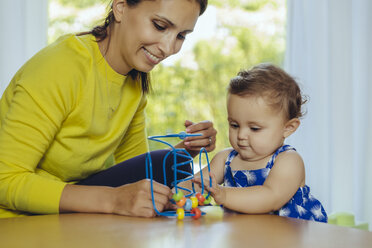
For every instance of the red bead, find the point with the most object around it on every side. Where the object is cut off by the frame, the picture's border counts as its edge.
(196, 212)
(200, 197)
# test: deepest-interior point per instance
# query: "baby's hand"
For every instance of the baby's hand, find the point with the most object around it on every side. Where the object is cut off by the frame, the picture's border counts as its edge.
(217, 191)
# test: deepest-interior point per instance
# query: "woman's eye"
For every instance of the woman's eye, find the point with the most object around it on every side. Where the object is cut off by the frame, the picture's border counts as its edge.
(181, 36)
(255, 129)
(159, 27)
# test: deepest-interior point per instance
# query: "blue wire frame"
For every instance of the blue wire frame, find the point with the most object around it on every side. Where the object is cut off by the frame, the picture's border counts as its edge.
(177, 153)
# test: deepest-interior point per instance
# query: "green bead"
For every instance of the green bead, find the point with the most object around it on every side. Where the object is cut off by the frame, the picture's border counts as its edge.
(177, 196)
(207, 200)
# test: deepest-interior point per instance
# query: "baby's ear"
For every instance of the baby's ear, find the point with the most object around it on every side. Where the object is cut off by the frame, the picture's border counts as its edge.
(290, 127)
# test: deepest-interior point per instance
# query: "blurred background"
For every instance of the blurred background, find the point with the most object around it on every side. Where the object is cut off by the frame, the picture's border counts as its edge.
(325, 44)
(192, 84)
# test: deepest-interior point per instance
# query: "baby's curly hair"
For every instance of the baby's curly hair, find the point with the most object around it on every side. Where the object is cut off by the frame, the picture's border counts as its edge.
(273, 84)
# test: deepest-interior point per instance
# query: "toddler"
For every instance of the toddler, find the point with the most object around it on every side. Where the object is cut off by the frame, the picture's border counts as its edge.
(259, 173)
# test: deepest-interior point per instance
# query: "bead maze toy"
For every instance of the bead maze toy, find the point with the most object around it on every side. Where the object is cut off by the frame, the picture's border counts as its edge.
(187, 204)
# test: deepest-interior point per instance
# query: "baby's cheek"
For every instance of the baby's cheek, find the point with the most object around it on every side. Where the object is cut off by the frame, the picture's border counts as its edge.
(259, 145)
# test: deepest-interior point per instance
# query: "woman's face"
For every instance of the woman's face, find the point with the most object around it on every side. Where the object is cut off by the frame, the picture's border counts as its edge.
(146, 34)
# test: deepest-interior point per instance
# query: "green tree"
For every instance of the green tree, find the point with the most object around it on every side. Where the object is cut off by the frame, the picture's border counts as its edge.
(82, 4)
(67, 16)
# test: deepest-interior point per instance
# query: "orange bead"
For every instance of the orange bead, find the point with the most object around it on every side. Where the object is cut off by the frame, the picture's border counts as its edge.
(181, 202)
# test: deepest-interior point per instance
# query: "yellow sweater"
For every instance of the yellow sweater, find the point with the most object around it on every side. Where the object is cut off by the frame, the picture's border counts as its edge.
(65, 115)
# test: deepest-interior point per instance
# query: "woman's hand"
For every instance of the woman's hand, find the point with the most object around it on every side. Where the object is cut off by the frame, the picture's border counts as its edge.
(217, 192)
(135, 199)
(207, 140)
(131, 199)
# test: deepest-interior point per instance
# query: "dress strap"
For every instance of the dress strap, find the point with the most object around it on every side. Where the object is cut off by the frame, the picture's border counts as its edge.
(230, 157)
(229, 178)
(276, 153)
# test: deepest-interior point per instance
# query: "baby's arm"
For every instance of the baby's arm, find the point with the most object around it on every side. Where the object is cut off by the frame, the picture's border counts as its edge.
(286, 176)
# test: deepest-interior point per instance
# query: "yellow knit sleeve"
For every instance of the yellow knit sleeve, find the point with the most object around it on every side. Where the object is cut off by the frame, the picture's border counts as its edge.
(25, 134)
(33, 107)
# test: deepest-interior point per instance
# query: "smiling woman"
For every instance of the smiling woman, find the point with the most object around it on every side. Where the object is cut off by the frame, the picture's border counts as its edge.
(145, 36)
(76, 113)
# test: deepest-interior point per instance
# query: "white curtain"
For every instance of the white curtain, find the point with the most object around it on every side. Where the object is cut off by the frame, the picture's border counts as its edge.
(329, 51)
(23, 25)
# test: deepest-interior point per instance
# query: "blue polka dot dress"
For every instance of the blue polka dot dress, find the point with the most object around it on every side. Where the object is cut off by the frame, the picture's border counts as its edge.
(302, 205)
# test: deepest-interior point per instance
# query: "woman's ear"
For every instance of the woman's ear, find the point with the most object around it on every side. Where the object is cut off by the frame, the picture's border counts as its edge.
(290, 127)
(118, 9)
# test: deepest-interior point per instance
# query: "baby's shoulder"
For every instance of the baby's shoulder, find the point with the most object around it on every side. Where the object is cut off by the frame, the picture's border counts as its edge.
(289, 154)
(289, 158)
(223, 154)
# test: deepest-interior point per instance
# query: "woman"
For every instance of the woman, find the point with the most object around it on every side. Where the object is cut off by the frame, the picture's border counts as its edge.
(77, 108)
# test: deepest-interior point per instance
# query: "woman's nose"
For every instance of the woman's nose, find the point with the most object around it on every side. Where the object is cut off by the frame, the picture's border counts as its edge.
(168, 46)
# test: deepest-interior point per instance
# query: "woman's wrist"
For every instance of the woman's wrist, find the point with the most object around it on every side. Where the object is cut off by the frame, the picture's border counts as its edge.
(87, 199)
(108, 200)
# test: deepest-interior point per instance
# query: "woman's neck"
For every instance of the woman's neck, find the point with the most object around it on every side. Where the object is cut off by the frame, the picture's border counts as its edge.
(111, 52)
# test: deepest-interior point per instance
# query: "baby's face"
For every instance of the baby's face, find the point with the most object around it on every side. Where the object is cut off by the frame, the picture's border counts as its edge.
(256, 130)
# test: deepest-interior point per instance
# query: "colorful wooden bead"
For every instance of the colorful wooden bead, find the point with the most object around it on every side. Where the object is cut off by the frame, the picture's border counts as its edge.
(177, 196)
(207, 199)
(194, 202)
(181, 202)
(188, 205)
(200, 198)
(196, 212)
(180, 213)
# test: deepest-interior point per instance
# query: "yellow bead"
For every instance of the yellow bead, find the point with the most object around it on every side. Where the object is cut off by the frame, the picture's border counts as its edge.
(194, 202)
(180, 213)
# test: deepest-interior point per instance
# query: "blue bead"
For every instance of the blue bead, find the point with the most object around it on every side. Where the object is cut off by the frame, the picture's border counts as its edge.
(182, 135)
(188, 205)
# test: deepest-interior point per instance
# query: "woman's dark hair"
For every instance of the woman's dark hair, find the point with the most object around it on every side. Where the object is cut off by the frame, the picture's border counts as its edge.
(274, 84)
(101, 33)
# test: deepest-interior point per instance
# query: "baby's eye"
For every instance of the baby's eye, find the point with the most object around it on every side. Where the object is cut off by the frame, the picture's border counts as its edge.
(159, 27)
(234, 125)
(255, 129)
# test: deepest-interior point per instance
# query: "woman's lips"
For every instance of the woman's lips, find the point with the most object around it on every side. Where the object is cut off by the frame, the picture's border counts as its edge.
(151, 57)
